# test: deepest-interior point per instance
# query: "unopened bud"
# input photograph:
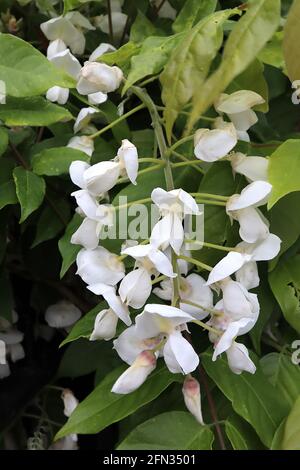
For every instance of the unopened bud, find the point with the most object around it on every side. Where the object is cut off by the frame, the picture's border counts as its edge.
(105, 325)
(70, 402)
(136, 374)
(192, 397)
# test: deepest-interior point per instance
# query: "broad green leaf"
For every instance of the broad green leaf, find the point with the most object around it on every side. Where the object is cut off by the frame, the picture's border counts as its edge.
(291, 41)
(267, 303)
(247, 38)
(51, 221)
(189, 65)
(285, 284)
(67, 250)
(8, 193)
(240, 434)
(121, 56)
(142, 28)
(252, 396)
(30, 190)
(284, 223)
(27, 72)
(83, 357)
(192, 12)
(272, 53)
(102, 407)
(283, 374)
(284, 170)
(3, 140)
(278, 437)
(252, 79)
(154, 54)
(174, 430)
(110, 112)
(34, 111)
(56, 161)
(72, 4)
(291, 435)
(84, 327)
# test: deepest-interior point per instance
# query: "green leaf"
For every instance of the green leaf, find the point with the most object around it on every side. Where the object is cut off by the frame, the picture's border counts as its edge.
(284, 223)
(291, 435)
(284, 170)
(56, 161)
(278, 437)
(267, 304)
(84, 327)
(192, 12)
(30, 190)
(252, 79)
(3, 140)
(189, 65)
(51, 221)
(27, 72)
(102, 407)
(8, 193)
(174, 430)
(272, 53)
(291, 41)
(110, 112)
(121, 56)
(283, 374)
(285, 284)
(142, 28)
(252, 396)
(67, 250)
(83, 357)
(240, 434)
(154, 54)
(247, 38)
(32, 112)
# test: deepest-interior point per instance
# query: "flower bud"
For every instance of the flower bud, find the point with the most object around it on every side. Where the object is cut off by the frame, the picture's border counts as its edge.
(57, 94)
(95, 77)
(192, 397)
(239, 360)
(136, 374)
(211, 145)
(70, 402)
(105, 325)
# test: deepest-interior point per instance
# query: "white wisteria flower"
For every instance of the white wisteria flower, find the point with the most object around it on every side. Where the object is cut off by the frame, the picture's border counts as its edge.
(192, 288)
(238, 106)
(167, 322)
(243, 261)
(173, 206)
(83, 119)
(106, 321)
(211, 145)
(97, 77)
(136, 286)
(136, 374)
(129, 345)
(68, 29)
(65, 61)
(253, 168)
(243, 207)
(99, 266)
(12, 348)
(237, 302)
(83, 143)
(70, 402)
(239, 360)
(55, 47)
(103, 48)
(57, 94)
(63, 314)
(192, 397)
(118, 20)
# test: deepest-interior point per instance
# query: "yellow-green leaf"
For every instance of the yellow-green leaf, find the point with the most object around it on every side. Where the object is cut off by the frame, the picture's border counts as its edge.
(291, 42)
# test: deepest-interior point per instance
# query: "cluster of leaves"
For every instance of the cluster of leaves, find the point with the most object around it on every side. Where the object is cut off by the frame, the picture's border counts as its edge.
(211, 47)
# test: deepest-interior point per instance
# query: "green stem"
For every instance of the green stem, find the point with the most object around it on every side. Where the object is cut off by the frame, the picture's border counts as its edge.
(47, 420)
(211, 203)
(139, 201)
(196, 262)
(211, 196)
(158, 279)
(206, 327)
(189, 162)
(180, 142)
(185, 159)
(117, 121)
(212, 311)
(150, 159)
(212, 245)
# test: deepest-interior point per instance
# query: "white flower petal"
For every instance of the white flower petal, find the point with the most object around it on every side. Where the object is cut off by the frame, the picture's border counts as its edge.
(267, 249)
(70, 402)
(83, 118)
(65, 61)
(95, 76)
(114, 302)
(97, 98)
(211, 145)
(86, 234)
(77, 19)
(179, 355)
(248, 276)
(62, 314)
(198, 292)
(101, 177)
(238, 302)
(128, 158)
(233, 330)
(99, 266)
(135, 288)
(255, 194)
(16, 352)
(77, 169)
(11, 336)
(253, 226)
(238, 101)
(227, 266)
(100, 50)
(57, 94)
(161, 262)
(86, 202)
(55, 47)
(105, 325)
(239, 360)
(118, 23)
(254, 168)
(136, 374)
(128, 345)
(84, 144)
(192, 397)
